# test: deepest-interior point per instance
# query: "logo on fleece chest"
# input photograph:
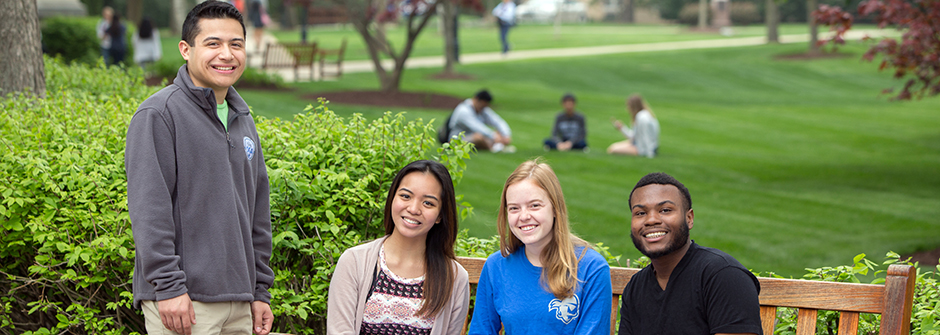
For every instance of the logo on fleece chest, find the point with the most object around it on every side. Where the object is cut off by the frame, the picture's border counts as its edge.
(249, 147)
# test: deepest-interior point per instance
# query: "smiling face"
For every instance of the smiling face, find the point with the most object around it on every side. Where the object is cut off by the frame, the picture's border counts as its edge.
(530, 214)
(660, 223)
(217, 57)
(417, 205)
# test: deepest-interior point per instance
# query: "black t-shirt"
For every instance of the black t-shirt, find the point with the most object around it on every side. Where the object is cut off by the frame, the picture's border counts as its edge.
(708, 292)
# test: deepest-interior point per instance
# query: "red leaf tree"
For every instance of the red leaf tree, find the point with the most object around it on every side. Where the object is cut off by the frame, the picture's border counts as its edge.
(915, 57)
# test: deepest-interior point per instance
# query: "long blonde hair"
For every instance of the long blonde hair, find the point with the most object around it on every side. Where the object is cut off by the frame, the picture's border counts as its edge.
(559, 262)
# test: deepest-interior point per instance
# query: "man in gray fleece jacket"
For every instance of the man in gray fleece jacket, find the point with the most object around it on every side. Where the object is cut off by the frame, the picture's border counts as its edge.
(197, 191)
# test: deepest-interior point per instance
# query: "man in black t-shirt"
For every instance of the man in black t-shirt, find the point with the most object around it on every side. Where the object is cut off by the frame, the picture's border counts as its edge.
(687, 288)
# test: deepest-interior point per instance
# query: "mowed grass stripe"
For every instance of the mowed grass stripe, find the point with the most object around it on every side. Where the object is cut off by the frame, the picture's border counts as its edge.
(791, 164)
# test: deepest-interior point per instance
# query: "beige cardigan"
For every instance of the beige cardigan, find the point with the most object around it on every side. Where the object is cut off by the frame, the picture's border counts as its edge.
(350, 286)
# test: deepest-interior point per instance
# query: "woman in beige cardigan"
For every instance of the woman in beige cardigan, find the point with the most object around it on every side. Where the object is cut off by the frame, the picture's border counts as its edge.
(408, 281)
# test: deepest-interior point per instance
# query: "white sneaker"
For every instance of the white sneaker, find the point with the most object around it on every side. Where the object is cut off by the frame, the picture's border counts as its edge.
(509, 149)
(497, 147)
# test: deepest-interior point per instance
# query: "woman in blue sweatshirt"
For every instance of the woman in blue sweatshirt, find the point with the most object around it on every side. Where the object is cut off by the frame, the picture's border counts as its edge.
(544, 280)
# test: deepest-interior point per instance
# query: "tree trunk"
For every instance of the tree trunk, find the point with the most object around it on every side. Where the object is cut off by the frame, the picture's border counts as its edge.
(449, 18)
(178, 12)
(627, 11)
(773, 21)
(21, 57)
(813, 26)
(702, 14)
(135, 11)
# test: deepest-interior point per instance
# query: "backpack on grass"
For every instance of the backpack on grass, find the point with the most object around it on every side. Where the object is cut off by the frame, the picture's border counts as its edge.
(443, 134)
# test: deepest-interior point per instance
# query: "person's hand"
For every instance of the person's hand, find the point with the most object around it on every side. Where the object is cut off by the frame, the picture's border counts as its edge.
(617, 123)
(506, 140)
(498, 138)
(177, 314)
(262, 318)
(565, 146)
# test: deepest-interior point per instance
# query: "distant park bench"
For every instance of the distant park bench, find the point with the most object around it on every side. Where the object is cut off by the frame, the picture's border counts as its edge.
(326, 15)
(290, 55)
(893, 300)
(335, 59)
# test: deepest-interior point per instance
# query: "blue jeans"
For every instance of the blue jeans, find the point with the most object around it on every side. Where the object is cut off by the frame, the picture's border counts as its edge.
(503, 31)
(554, 145)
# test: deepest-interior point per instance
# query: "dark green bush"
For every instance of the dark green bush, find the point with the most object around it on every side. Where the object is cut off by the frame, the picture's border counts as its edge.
(689, 15)
(744, 13)
(75, 39)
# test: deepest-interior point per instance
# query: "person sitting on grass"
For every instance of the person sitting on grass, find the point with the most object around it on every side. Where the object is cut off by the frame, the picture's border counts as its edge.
(569, 131)
(643, 139)
(474, 117)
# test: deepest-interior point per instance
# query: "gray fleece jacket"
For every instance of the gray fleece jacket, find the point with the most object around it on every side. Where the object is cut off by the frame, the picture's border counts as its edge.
(197, 196)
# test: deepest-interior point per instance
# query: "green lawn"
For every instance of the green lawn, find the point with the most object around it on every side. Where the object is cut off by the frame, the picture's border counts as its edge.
(477, 37)
(791, 164)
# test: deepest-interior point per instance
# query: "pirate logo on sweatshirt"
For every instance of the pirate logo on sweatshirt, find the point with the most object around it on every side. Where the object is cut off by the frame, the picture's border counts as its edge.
(249, 147)
(565, 310)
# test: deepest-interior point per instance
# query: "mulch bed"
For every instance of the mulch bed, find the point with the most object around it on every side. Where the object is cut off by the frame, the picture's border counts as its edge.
(812, 56)
(393, 99)
(926, 258)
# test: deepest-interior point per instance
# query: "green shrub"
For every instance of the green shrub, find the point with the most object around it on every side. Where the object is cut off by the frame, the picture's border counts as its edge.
(689, 15)
(925, 314)
(67, 246)
(253, 77)
(744, 13)
(97, 81)
(75, 39)
(72, 38)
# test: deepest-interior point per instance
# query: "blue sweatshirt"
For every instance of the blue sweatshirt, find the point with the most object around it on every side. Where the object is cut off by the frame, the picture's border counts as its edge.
(511, 292)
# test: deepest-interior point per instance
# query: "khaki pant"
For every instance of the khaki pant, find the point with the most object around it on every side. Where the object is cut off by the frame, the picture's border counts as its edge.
(212, 318)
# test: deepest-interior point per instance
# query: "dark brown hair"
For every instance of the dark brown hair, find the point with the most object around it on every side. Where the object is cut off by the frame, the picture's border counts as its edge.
(439, 255)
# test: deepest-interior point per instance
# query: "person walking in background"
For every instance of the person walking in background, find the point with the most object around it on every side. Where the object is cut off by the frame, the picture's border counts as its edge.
(409, 281)
(643, 138)
(544, 280)
(258, 14)
(147, 48)
(197, 191)
(686, 288)
(474, 117)
(102, 30)
(569, 131)
(117, 36)
(505, 13)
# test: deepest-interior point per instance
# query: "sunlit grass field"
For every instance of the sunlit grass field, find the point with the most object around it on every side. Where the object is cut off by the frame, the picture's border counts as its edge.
(791, 164)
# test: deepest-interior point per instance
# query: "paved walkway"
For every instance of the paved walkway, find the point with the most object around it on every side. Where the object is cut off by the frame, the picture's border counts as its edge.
(495, 57)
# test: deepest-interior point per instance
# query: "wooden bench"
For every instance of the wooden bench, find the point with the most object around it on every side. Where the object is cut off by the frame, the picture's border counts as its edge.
(290, 55)
(337, 55)
(893, 300)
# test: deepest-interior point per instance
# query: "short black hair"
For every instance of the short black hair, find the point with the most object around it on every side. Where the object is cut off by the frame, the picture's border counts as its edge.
(211, 9)
(568, 96)
(483, 95)
(662, 179)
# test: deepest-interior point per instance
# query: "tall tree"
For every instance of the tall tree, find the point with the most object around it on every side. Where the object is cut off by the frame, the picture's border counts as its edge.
(916, 57)
(135, 11)
(178, 12)
(449, 19)
(813, 26)
(702, 14)
(21, 62)
(772, 20)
